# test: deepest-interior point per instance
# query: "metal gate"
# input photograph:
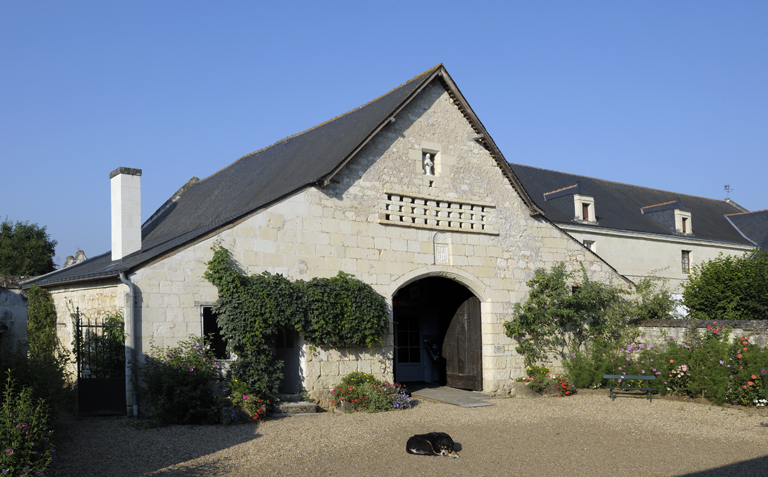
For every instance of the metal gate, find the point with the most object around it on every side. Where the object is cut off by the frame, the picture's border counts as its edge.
(100, 354)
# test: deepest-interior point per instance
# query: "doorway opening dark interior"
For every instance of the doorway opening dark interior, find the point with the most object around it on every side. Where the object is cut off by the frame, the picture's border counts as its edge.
(437, 334)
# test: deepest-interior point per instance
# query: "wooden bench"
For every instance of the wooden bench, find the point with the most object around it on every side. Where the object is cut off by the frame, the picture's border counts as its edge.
(626, 377)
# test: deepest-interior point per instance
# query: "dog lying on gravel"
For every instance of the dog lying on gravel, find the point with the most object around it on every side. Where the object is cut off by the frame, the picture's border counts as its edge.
(434, 443)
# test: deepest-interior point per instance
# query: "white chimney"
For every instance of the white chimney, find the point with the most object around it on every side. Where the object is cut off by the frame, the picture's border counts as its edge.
(126, 211)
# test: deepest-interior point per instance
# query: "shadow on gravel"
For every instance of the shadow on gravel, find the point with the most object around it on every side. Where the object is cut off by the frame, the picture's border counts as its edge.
(100, 446)
(749, 467)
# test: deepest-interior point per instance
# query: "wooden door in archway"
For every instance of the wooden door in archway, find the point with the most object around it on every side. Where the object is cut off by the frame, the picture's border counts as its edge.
(462, 347)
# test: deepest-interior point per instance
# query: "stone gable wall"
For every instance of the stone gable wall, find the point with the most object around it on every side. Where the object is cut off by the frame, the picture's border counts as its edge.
(318, 232)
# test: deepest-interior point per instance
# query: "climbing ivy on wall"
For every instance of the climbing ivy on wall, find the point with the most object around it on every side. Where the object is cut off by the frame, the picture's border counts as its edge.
(340, 311)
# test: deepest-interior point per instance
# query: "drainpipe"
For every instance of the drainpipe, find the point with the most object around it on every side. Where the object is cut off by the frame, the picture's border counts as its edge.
(132, 356)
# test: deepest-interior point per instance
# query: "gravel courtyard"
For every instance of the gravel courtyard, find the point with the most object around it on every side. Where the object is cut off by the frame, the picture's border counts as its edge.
(583, 435)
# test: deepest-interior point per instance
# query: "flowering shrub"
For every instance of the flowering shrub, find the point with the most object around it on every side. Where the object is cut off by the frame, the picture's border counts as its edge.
(177, 383)
(241, 404)
(564, 386)
(708, 365)
(364, 392)
(357, 379)
(538, 378)
(24, 433)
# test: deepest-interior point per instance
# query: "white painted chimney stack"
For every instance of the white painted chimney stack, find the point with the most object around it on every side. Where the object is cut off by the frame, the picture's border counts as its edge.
(126, 211)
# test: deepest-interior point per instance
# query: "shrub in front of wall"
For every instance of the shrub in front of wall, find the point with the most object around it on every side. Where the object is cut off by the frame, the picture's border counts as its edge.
(586, 368)
(176, 384)
(364, 392)
(241, 404)
(25, 434)
(707, 366)
(46, 375)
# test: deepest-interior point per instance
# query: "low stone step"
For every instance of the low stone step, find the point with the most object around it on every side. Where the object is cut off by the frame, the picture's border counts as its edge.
(296, 407)
(283, 397)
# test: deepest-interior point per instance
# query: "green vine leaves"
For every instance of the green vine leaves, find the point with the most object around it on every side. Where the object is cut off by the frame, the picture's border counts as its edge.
(341, 311)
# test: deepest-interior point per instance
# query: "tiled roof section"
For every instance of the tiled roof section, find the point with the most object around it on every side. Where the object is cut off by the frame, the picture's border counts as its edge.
(754, 225)
(671, 205)
(618, 206)
(268, 175)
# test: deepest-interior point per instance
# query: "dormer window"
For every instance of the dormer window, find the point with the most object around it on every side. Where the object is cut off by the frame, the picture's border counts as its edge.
(583, 201)
(584, 208)
(672, 215)
(683, 222)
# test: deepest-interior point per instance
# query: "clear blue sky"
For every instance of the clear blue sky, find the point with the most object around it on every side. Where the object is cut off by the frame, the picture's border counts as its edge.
(670, 95)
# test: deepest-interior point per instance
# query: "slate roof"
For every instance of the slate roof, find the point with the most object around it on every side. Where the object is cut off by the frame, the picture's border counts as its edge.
(618, 206)
(264, 177)
(754, 225)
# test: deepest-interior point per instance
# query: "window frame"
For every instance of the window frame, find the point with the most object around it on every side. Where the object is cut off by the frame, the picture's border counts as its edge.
(685, 261)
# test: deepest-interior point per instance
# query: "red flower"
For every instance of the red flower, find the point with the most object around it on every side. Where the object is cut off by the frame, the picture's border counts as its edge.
(750, 383)
(754, 376)
(744, 387)
(738, 355)
(714, 331)
(671, 360)
(745, 349)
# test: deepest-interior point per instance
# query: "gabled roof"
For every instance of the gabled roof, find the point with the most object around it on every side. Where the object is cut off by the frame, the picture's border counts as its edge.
(257, 180)
(618, 206)
(753, 225)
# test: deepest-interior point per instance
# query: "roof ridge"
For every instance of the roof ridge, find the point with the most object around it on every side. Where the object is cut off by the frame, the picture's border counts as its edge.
(563, 188)
(656, 205)
(744, 213)
(620, 183)
(321, 124)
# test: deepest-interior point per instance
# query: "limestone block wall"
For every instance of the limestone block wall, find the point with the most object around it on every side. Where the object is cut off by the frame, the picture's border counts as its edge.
(92, 298)
(656, 331)
(636, 255)
(320, 231)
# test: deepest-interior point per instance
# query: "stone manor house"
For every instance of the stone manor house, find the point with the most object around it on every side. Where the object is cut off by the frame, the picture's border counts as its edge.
(409, 193)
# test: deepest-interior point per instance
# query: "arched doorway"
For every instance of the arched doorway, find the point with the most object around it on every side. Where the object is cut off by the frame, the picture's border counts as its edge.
(438, 334)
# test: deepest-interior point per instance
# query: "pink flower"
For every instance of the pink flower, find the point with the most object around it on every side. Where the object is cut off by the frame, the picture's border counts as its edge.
(714, 331)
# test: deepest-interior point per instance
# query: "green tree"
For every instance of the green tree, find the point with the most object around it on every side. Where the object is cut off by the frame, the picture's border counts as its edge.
(25, 249)
(563, 314)
(41, 322)
(729, 287)
(567, 313)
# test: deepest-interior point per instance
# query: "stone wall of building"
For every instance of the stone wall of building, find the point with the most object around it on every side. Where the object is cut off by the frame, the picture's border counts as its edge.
(13, 313)
(93, 299)
(348, 226)
(636, 255)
